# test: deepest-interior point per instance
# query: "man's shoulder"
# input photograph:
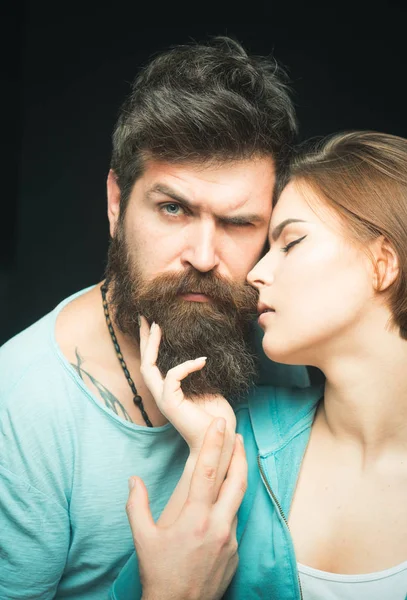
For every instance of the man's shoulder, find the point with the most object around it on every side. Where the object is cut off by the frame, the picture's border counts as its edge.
(31, 359)
(39, 400)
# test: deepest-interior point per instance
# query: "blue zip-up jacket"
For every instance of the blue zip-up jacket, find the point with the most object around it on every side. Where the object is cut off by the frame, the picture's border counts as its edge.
(276, 424)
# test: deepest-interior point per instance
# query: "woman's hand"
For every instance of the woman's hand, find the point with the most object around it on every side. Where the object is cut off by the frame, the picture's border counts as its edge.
(191, 417)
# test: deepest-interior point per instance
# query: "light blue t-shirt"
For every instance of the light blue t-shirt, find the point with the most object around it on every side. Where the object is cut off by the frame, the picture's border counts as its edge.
(65, 460)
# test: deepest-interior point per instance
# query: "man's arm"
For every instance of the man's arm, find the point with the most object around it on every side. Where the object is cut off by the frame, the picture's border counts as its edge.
(34, 540)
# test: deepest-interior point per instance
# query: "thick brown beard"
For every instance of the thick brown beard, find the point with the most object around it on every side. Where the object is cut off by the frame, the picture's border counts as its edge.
(218, 329)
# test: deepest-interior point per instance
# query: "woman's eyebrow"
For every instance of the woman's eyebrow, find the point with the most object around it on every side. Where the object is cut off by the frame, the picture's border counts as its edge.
(275, 234)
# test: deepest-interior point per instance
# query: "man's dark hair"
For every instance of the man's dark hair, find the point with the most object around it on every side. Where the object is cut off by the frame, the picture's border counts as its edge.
(203, 103)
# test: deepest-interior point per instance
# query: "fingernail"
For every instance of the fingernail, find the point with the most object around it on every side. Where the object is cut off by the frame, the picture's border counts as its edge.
(153, 326)
(221, 425)
(240, 438)
(139, 320)
(132, 483)
(202, 358)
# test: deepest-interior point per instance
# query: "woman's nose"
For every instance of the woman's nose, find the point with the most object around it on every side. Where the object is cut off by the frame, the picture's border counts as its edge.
(261, 274)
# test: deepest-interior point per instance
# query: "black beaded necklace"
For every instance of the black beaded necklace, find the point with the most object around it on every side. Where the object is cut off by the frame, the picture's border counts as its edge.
(137, 399)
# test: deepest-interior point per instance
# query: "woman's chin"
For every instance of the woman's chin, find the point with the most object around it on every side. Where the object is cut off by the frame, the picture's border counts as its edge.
(283, 354)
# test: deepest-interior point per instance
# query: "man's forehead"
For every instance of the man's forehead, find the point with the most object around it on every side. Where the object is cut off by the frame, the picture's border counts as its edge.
(210, 170)
(233, 184)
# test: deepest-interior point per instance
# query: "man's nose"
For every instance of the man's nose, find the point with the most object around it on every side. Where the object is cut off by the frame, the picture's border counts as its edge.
(200, 249)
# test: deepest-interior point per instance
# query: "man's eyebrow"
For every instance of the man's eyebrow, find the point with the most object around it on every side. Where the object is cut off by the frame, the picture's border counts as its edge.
(160, 188)
(230, 220)
(278, 229)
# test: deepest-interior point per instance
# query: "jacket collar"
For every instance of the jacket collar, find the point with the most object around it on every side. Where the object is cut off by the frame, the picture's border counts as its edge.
(278, 414)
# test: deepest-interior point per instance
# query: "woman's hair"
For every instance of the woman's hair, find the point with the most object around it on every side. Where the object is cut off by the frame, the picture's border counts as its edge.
(362, 175)
(203, 103)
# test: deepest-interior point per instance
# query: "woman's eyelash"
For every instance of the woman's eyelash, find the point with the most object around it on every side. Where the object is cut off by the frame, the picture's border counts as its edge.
(291, 244)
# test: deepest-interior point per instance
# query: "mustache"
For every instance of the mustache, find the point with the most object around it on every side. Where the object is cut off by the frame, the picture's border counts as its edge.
(167, 286)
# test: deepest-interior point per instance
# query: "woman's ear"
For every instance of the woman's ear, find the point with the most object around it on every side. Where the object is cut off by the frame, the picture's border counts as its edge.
(386, 264)
(113, 201)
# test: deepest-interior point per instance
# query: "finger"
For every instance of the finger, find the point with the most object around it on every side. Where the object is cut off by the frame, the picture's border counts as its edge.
(203, 479)
(150, 338)
(234, 559)
(233, 528)
(234, 487)
(184, 414)
(138, 511)
(144, 333)
(227, 454)
(172, 382)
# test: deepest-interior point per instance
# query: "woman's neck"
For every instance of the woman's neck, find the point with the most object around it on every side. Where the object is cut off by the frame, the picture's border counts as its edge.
(366, 392)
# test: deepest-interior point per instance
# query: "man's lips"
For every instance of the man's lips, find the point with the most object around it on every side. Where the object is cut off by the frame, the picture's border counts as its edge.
(195, 297)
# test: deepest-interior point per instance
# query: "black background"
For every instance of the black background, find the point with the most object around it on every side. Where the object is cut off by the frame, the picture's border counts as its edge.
(68, 68)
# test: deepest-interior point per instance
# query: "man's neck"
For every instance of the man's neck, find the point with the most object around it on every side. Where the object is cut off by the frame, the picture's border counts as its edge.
(83, 336)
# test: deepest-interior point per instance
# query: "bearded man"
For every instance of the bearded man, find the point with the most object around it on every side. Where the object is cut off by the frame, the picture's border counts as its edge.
(197, 150)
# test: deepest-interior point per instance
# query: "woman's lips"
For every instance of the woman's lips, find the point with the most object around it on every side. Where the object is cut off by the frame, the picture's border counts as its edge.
(264, 316)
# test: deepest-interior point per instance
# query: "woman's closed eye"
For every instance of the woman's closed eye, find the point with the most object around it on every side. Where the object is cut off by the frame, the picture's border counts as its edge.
(293, 243)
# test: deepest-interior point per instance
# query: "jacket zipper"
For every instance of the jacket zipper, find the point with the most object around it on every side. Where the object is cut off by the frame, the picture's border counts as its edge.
(277, 503)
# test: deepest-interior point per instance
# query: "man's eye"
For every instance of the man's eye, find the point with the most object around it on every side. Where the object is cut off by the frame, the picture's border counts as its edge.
(172, 209)
(237, 223)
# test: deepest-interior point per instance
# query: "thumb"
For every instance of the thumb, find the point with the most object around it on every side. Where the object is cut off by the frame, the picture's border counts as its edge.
(138, 510)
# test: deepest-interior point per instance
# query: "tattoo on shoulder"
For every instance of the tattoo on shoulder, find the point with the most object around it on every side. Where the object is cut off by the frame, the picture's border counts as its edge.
(108, 398)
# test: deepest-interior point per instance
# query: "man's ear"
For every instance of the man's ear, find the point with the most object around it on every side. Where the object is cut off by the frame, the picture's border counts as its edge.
(113, 201)
(386, 264)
